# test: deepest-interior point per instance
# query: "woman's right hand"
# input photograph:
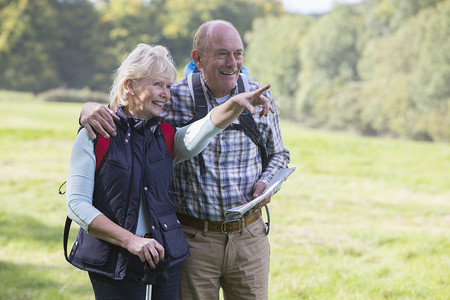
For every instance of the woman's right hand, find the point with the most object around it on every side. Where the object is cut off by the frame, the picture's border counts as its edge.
(147, 249)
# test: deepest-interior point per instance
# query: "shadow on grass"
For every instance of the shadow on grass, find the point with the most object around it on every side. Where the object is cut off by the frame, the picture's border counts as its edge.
(32, 264)
(20, 227)
(29, 281)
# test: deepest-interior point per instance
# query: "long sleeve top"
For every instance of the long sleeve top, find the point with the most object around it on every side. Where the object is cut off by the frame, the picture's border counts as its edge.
(188, 141)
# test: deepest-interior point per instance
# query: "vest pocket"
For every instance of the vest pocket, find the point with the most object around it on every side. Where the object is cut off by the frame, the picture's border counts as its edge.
(173, 236)
(90, 250)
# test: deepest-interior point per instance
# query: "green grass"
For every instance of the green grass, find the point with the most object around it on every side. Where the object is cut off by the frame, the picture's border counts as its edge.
(360, 218)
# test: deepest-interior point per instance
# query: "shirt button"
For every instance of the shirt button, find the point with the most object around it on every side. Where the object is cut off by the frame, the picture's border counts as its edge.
(223, 137)
(126, 140)
(224, 188)
(145, 188)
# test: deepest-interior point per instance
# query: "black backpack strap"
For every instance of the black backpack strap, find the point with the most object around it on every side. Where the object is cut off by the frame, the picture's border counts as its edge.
(66, 235)
(250, 129)
(201, 108)
(247, 123)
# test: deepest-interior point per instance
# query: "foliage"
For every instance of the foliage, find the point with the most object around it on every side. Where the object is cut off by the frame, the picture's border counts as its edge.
(329, 56)
(71, 95)
(382, 72)
(25, 58)
(75, 44)
(279, 50)
(360, 218)
(377, 68)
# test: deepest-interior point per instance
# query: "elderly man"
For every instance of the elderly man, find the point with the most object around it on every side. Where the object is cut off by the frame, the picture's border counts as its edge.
(232, 255)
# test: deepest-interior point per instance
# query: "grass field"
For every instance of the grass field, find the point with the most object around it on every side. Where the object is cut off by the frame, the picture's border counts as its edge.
(360, 218)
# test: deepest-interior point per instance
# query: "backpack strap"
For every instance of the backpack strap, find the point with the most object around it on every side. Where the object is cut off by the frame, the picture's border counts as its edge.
(195, 87)
(100, 147)
(251, 130)
(247, 122)
(66, 235)
(168, 132)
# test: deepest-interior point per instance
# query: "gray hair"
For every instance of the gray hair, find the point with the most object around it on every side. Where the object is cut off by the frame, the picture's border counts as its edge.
(142, 63)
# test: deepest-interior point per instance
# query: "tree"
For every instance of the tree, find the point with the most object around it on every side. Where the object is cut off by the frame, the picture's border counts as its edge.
(407, 77)
(25, 58)
(329, 59)
(77, 52)
(273, 56)
(181, 18)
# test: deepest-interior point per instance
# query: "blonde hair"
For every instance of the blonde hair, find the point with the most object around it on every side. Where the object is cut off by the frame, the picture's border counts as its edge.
(142, 63)
(202, 38)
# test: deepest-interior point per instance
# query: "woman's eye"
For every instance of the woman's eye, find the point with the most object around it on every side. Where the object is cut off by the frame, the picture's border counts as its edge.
(157, 84)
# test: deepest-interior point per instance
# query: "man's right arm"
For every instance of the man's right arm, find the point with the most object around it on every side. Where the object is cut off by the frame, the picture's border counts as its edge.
(98, 118)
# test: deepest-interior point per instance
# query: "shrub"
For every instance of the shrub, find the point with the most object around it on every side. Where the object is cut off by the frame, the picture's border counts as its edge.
(71, 95)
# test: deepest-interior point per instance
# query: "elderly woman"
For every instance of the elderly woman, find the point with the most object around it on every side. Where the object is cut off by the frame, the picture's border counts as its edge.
(129, 194)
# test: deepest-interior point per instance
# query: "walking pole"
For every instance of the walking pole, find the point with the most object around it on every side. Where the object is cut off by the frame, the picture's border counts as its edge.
(150, 275)
(148, 292)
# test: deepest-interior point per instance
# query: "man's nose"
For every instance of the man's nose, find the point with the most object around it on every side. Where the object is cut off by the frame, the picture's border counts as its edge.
(231, 60)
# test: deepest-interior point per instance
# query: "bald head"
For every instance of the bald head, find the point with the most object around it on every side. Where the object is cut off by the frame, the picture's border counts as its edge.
(208, 30)
(219, 54)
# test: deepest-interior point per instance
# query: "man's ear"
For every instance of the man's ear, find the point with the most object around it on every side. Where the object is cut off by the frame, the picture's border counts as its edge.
(197, 58)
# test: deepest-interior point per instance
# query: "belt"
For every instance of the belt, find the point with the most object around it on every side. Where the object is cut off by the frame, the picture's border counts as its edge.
(226, 227)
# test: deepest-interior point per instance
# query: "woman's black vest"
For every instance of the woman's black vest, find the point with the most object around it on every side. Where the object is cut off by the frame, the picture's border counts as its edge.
(137, 165)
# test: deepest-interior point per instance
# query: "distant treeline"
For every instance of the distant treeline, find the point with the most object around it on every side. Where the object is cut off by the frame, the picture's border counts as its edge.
(381, 67)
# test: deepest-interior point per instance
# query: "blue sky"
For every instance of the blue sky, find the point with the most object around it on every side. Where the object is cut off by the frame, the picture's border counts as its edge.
(312, 6)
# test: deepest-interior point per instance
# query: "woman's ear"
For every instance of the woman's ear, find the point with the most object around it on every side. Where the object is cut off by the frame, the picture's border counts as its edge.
(129, 87)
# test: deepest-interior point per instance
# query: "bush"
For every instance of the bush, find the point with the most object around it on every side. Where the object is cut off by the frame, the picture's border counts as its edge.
(71, 95)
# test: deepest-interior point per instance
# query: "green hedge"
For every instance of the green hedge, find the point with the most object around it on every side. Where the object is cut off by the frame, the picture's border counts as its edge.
(71, 95)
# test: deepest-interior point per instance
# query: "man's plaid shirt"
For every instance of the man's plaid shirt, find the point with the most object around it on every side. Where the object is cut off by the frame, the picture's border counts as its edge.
(232, 160)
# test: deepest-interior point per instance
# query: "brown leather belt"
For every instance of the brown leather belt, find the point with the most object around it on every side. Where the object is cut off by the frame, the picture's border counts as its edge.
(226, 227)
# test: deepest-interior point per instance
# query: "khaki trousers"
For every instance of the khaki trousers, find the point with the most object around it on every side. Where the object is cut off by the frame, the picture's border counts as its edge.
(238, 263)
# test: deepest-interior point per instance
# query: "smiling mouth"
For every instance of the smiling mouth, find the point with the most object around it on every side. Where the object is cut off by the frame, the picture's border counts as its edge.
(158, 103)
(228, 73)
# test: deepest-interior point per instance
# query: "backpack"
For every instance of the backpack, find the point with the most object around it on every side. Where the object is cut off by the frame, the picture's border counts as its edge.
(246, 122)
(100, 149)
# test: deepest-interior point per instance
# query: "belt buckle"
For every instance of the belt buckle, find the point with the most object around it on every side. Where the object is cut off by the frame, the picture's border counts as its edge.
(223, 226)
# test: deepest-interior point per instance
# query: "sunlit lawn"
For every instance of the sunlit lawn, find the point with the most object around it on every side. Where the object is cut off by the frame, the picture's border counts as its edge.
(360, 218)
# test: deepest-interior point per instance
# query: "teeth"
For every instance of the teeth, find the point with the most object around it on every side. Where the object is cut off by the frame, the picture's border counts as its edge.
(228, 73)
(158, 103)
